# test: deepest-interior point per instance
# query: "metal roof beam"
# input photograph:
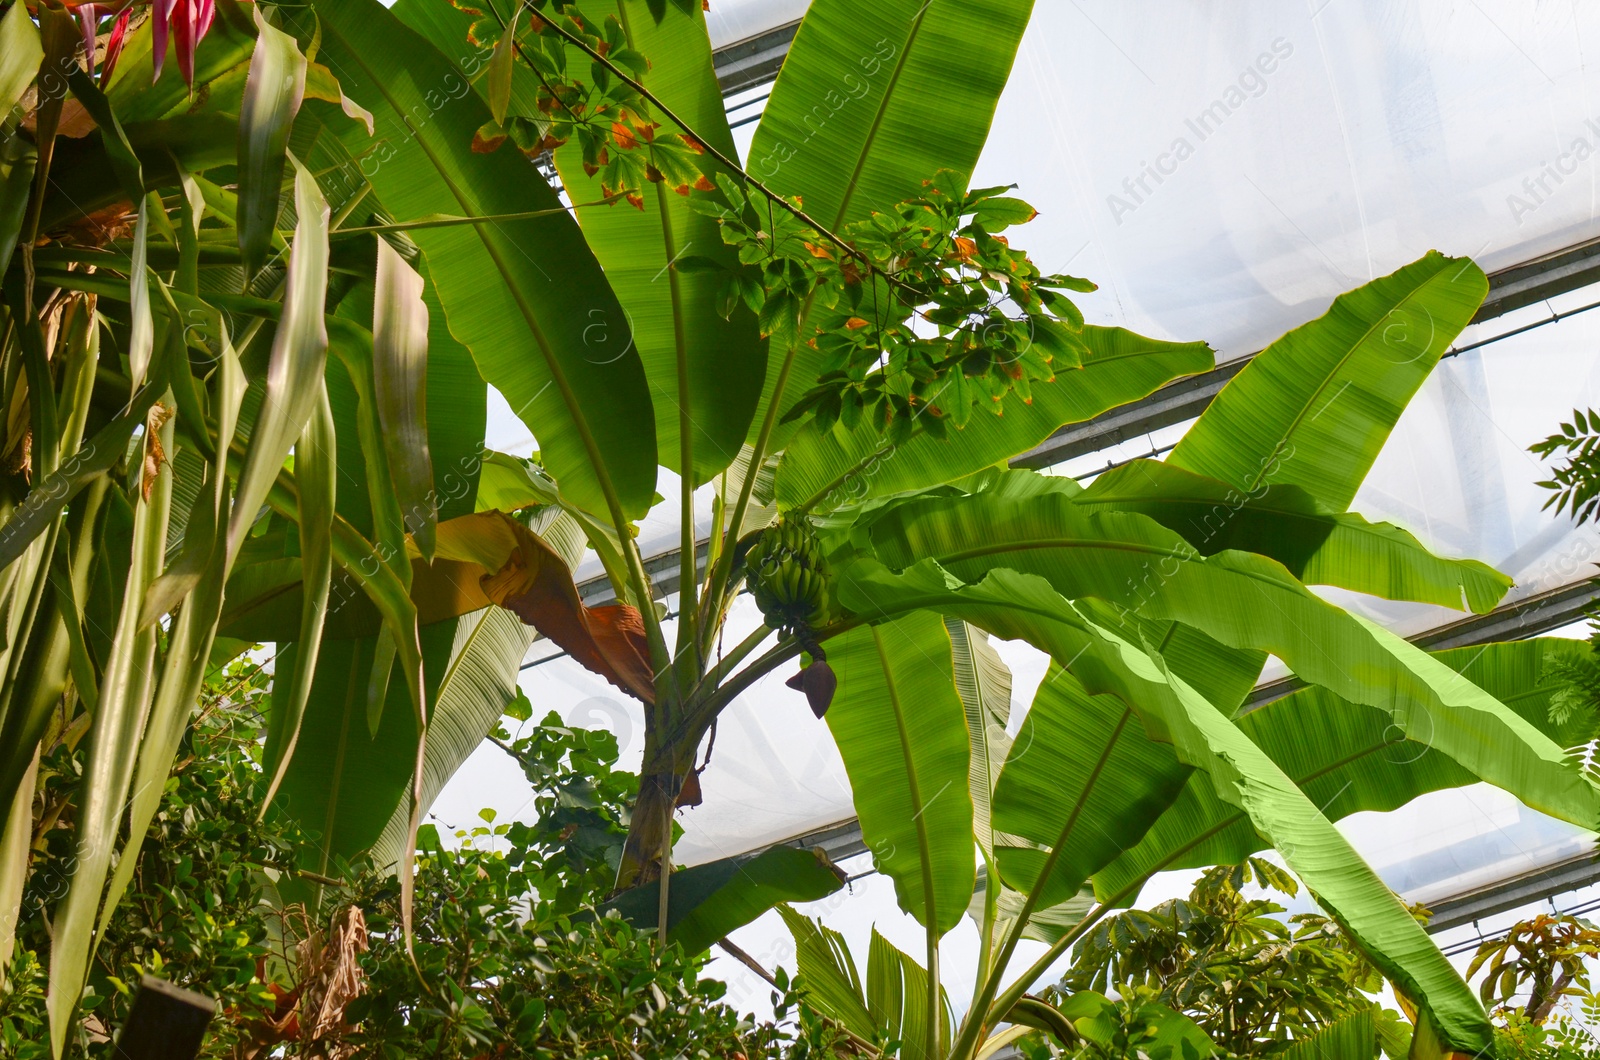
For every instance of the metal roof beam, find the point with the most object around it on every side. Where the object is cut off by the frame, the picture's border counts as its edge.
(753, 61)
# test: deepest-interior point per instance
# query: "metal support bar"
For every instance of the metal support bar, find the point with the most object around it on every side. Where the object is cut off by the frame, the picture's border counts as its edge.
(838, 841)
(1497, 897)
(753, 61)
(1534, 281)
(662, 569)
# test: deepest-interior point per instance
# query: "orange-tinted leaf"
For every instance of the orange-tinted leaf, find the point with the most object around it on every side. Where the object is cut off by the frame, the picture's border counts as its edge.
(154, 454)
(965, 248)
(855, 322)
(491, 554)
(623, 135)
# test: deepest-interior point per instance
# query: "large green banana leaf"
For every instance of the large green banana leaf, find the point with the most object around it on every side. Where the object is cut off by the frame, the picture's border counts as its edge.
(1222, 674)
(526, 297)
(1082, 776)
(833, 467)
(1017, 606)
(1313, 409)
(1346, 757)
(675, 316)
(983, 681)
(478, 684)
(1318, 546)
(1010, 604)
(1244, 601)
(707, 902)
(901, 732)
(873, 99)
(1319, 854)
(828, 973)
(905, 88)
(345, 782)
(453, 386)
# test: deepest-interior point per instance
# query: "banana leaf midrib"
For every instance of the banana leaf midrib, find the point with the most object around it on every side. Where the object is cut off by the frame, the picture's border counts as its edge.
(924, 852)
(1071, 822)
(877, 120)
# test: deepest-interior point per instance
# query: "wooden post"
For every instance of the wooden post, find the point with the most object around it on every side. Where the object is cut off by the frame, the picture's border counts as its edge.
(166, 1023)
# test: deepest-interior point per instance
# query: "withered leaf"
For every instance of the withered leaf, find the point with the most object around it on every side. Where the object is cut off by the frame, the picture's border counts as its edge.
(516, 569)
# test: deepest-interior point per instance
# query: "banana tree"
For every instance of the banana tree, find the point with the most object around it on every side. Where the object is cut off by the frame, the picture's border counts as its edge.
(838, 330)
(1162, 589)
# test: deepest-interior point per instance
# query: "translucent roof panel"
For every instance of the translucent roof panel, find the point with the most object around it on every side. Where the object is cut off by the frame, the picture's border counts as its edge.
(1223, 170)
(732, 21)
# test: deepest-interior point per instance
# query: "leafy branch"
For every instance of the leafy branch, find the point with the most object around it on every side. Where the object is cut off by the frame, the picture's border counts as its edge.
(1575, 485)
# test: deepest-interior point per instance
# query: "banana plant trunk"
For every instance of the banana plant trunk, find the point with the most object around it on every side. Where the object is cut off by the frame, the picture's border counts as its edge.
(662, 775)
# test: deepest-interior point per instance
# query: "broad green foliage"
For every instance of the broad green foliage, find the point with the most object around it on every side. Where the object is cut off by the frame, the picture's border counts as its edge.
(260, 415)
(1078, 760)
(705, 366)
(554, 341)
(826, 468)
(1346, 757)
(1317, 546)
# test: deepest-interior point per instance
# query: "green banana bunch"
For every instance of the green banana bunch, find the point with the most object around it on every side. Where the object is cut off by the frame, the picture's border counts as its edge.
(787, 574)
